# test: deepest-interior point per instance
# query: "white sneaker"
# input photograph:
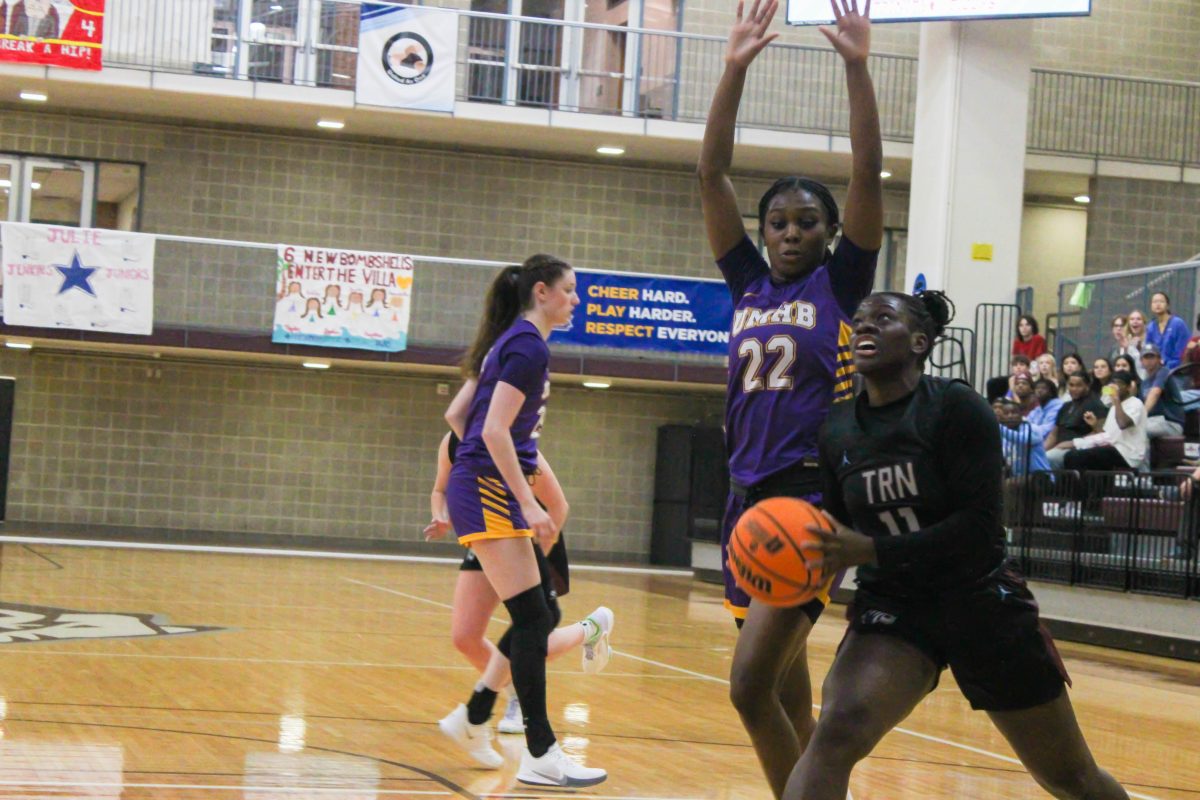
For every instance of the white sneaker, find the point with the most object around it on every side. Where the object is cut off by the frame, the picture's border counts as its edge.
(476, 740)
(556, 768)
(596, 650)
(513, 721)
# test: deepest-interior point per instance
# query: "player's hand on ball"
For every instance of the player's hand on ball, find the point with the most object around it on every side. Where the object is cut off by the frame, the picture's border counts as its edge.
(749, 34)
(542, 526)
(852, 36)
(437, 529)
(840, 548)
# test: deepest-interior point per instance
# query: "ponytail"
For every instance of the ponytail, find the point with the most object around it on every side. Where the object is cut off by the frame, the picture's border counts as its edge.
(511, 293)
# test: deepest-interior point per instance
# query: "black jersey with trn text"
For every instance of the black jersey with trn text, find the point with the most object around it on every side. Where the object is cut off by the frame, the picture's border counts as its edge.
(923, 477)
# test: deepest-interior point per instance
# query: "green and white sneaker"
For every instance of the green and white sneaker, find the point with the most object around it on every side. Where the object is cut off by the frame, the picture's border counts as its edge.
(596, 649)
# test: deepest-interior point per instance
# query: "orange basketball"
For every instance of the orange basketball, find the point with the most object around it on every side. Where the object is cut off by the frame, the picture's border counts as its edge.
(765, 554)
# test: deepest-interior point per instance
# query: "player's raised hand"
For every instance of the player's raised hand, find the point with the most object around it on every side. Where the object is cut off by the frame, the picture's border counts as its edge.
(852, 36)
(749, 34)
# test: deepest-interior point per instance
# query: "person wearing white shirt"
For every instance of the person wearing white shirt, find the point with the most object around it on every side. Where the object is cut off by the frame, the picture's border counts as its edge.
(1123, 443)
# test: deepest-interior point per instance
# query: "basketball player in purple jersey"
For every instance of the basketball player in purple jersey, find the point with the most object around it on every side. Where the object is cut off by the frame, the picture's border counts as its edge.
(492, 506)
(789, 355)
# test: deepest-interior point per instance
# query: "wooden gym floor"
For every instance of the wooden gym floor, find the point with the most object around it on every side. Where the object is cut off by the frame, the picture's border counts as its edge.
(326, 678)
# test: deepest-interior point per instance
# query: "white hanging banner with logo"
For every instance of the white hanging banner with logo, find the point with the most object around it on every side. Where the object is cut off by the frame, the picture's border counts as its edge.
(406, 57)
(80, 278)
(342, 298)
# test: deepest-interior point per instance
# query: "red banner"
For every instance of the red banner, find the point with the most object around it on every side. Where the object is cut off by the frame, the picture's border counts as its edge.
(59, 33)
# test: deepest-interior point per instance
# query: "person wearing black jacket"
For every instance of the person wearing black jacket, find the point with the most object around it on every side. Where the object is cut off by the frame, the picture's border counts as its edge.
(914, 464)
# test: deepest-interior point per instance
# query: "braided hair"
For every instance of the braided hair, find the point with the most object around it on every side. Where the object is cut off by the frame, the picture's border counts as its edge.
(929, 312)
(795, 184)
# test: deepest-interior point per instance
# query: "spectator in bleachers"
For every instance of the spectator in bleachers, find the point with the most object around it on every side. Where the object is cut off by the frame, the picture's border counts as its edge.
(1167, 331)
(1102, 370)
(1071, 363)
(1122, 444)
(1164, 414)
(1046, 366)
(1022, 445)
(1135, 339)
(1022, 394)
(1072, 421)
(1191, 351)
(1002, 386)
(1120, 334)
(1029, 342)
(1044, 416)
(1130, 364)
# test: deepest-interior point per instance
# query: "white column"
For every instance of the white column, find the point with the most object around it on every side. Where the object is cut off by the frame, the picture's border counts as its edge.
(969, 161)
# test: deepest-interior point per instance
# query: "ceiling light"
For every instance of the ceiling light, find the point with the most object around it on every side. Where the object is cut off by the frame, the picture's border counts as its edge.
(1082, 199)
(5, 183)
(276, 7)
(885, 174)
(18, 344)
(35, 185)
(597, 384)
(610, 150)
(36, 97)
(317, 364)
(332, 124)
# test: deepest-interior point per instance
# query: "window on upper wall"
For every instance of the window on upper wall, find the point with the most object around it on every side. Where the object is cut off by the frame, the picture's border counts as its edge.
(58, 191)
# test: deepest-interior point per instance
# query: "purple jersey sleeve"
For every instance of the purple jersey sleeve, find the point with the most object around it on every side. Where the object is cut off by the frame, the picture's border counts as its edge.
(519, 358)
(520, 370)
(741, 266)
(851, 274)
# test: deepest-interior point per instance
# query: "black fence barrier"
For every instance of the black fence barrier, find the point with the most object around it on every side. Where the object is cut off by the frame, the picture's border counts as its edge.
(1127, 531)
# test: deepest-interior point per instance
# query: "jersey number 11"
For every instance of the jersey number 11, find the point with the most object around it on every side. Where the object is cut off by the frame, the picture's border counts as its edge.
(907, 514)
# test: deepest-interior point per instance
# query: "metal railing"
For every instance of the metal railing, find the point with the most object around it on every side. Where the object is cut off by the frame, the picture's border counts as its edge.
(445, 303)
(637, 72)
(1133, 532)
(1087, 305)
(995, 328)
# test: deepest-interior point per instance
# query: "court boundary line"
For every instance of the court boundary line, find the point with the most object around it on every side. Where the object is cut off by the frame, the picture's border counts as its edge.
(530, 795)
(725, 681)
(331, 554)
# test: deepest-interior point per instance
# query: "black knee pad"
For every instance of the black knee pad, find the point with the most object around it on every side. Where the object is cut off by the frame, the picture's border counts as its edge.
(532, 620)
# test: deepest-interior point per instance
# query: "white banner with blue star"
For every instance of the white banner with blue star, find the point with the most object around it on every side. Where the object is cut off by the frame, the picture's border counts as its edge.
(80, 278)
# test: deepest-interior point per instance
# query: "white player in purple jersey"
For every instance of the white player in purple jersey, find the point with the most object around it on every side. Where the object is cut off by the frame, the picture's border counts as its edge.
(493, 509)
(789, 355)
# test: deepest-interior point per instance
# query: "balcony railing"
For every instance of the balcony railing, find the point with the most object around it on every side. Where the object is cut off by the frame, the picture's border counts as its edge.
(641, 73)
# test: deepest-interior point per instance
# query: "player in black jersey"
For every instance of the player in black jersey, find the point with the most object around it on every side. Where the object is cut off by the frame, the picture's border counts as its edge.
(914, 464)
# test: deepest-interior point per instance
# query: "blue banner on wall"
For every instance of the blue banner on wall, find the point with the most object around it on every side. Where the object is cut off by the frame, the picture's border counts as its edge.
(673, 314)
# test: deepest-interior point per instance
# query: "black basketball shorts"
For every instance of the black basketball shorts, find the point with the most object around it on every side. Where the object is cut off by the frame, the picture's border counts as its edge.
(989, 634)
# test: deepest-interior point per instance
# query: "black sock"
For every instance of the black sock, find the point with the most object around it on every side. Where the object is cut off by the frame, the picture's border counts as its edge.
(479, 707)
(530, 629)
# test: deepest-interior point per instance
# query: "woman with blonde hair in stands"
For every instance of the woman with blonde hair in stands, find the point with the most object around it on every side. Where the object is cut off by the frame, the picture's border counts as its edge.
(1135, 339)
(1047, 367)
